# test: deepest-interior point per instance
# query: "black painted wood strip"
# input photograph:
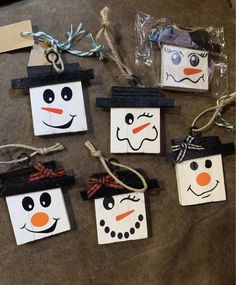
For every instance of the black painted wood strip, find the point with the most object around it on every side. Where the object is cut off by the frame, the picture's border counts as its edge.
(135, 101)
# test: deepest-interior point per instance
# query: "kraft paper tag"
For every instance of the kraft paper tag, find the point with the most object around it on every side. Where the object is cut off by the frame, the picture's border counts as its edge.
(37, 56)
(11, 38)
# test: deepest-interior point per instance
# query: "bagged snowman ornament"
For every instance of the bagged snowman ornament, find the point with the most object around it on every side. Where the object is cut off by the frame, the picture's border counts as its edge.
(57, 100)
(183, 68)
(199, 169)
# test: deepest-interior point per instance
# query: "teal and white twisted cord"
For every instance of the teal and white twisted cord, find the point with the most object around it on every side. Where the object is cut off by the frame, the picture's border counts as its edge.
(66, 46)
(216, 118)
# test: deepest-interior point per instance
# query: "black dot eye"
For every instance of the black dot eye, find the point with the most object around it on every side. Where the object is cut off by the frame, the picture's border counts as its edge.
(108, 203)
(176, 58)
(129, 119)
(194, 165)
(48, 96)
(194, 60)
(45, 199)
(66, 93)
(208, 163)
(28, 203)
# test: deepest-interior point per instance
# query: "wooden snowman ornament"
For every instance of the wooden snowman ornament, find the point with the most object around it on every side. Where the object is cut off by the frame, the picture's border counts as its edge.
(57, 100)
(184, 68)
(199, 169)
(135, 121)
(35, 201)
(120, 213)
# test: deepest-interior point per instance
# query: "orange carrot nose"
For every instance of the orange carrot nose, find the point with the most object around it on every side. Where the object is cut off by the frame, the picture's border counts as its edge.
(140, 128)
(203, 179)
(39, 219)
(124, 215)
(53, 110)
(190, 71)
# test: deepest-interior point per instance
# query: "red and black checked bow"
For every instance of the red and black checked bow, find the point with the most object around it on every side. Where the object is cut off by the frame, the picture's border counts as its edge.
(97, 183)
(44, 172)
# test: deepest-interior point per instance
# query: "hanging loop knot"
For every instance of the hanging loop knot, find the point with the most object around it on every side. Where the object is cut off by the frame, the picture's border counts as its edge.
(93, 151)
(43, 150)
(104, 17)
(97, 183)
(44, 172)
(184, 147)
(109, 37)
(98, 153)
(36, 150)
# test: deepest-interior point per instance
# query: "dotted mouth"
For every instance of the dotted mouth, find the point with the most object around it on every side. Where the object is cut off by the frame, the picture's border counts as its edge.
(122, 235)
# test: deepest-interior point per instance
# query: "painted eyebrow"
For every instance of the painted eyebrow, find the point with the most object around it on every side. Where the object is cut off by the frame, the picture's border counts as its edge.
(168, 50)
(202, 54)
(131, 199)
(145, 115)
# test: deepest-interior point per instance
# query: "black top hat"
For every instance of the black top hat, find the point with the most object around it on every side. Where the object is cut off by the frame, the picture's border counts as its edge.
(34, 178)
(135, 97)
(196, 147)
(46, 75)
(125, 176)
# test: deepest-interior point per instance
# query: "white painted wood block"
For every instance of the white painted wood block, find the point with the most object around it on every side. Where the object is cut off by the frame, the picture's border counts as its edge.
(200, 180)
(37, 215)
(121, 218)
(58, 108)
(184, 69)
(135, 130)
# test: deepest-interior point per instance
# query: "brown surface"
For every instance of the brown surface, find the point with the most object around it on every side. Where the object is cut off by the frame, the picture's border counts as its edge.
(189, 245)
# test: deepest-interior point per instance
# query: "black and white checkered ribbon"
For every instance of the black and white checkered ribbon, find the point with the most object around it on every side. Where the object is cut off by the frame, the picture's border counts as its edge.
(184, 146)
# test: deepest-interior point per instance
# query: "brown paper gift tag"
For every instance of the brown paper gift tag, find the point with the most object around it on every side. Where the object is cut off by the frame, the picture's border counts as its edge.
(12, 39)
(37, 56)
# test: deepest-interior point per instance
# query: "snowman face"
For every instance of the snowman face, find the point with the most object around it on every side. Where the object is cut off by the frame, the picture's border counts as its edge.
(58, 108)
(121, 217)
(184, 68)
(37, 215)
(135, 130)
(200, 180)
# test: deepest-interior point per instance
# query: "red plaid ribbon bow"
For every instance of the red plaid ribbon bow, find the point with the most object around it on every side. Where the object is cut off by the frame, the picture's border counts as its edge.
(44, 172)
(97, 183)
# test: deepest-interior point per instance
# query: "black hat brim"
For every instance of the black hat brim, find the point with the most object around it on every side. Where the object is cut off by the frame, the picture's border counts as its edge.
(127, 177)
(17, 182)
(211, 145)
(45, 75)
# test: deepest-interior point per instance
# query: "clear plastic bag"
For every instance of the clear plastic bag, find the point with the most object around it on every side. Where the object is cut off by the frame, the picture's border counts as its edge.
(181, 58)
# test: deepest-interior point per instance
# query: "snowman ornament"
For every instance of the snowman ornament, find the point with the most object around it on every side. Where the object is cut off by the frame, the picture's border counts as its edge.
(135, 121)
(35, 201)
(184, 68)
(120, 213)
(199, 169)
(57, 100)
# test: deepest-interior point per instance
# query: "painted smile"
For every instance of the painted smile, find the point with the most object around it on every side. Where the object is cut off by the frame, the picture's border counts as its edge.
(185, 78)
(49, 230)
(189, 188)
(145, 139)
(123, 235)
(65, 126)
